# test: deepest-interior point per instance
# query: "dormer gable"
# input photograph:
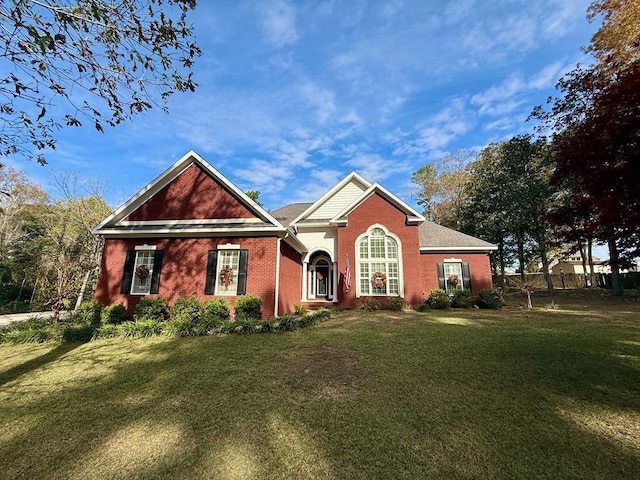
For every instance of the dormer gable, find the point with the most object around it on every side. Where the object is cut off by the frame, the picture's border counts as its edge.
(334, 201)
(412, 216)
(189, 197)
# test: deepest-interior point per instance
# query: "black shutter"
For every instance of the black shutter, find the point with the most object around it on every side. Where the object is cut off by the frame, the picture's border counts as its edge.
(466, 276)
(210, 279)
(127, 274)
(242, 272)
(441, 283)
(157, 268)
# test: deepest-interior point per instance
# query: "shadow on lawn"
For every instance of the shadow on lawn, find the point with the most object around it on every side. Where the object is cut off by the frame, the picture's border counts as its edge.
(428, 405)
(41, 361)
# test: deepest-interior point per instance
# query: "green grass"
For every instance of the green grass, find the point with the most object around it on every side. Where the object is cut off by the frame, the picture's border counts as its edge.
(548, 393)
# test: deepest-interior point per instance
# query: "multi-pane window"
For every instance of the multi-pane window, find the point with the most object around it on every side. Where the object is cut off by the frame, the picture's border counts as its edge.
(453, 276)
(142, 272)
(378, 264)
(228, 267)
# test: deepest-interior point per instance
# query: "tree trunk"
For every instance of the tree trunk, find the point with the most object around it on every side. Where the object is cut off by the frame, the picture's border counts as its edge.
(83, 288)
(590, 255)
(503, 275)
(542, 246)
(521, 256)
(583, 255)
(614, 262)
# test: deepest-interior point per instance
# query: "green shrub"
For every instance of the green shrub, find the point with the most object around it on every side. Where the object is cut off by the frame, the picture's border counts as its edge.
(78, 334)
(181, 327)
(108, 330)
(299, 310)
(423, 307)
(245, 325)
(141, 328)
(50, 333)
(152, 308)
(395, 304)
(88, 313)
(462, 299)
(114, 314)
(248, 307)
(369, 304)
(288, 323)
(215, 310)
(438, 299)
(186, 309)
(490, 299)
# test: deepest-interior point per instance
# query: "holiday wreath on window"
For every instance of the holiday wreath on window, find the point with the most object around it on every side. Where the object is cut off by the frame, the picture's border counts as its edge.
(378, 280)
(142, 272)
(226, 275)
(453, 280)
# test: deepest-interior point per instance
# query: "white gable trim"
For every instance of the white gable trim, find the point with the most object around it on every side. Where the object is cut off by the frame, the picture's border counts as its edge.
(322, 200)
(413, 217)
(458, 249)
(171, 174)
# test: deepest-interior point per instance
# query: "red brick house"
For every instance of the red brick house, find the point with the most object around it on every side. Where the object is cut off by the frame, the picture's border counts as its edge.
(192, 232)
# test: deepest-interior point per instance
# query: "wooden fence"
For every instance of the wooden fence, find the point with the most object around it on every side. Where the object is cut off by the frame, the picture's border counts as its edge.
(630, 280)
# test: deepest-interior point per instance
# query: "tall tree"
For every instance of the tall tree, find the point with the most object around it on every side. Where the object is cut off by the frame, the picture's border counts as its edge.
(17, 195)
(616, 44)
(87, 61)
(441, 188)
(508, 195)
(601, 154)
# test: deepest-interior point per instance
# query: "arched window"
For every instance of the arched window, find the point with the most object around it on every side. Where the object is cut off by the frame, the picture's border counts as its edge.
(378, 263)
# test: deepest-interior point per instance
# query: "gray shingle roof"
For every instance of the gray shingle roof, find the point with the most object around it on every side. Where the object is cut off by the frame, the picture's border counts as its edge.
(288, 213)
(433, 235)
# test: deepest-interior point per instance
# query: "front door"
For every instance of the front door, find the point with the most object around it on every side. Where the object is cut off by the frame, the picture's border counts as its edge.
(322, 281)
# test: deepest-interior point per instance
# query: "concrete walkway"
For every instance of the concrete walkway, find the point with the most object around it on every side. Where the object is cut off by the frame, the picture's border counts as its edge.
(21, 317)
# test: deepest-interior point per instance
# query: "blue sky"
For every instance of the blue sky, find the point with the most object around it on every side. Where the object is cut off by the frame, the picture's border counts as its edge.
(294, 95)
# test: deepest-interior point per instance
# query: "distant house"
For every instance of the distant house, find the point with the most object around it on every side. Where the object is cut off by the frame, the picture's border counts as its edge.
(193, 232)
(573, 264)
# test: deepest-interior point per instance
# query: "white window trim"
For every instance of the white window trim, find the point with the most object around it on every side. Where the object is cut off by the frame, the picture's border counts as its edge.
(358, 277)
(223, 248)
(141, 249)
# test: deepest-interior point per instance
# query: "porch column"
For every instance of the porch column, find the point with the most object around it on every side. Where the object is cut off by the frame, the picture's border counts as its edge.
(305, 275)
(335, 282)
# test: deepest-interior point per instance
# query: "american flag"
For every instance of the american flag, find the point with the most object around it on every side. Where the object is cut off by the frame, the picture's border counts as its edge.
(347, 276)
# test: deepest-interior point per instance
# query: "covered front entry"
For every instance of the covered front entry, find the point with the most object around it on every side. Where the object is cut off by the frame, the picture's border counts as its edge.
(320, 281)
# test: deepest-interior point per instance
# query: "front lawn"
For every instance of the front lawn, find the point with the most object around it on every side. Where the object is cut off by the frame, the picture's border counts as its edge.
(548, 393)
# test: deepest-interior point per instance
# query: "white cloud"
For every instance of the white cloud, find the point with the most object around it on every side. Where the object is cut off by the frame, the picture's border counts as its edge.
(278, 20)
(376, 168)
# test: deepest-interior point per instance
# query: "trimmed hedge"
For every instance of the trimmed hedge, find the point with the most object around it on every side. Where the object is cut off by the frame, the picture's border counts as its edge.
(490, 299)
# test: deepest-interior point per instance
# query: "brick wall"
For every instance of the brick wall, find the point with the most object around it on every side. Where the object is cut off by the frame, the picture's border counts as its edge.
(479, 269)
(290, 279)
(192, 195)
(377, 210)
(184, 269)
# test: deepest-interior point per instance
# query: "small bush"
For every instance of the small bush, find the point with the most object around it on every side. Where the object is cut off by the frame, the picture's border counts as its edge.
(395, 304)
(490, 299)
(141, 328)
(462, 299)
(182, 327)
(215, 309)
(438, 299)
(423, 307)
(245, 325)
(299, 310)
(152, 308)
(186, 309)
(78, 334)
(114, 314)
(88, 313)
(108, 330)
(50, 333)
(248, 307)
(369, 304)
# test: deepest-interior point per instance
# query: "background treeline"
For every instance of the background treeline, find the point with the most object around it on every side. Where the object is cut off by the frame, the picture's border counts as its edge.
(571, 183)
(48, 255)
